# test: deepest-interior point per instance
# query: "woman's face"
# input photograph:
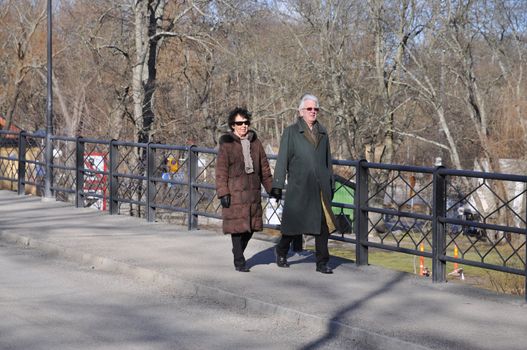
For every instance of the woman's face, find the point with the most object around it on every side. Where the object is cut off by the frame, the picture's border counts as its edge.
(241, 126)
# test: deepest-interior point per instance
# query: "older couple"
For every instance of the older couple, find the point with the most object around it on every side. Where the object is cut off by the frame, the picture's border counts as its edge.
(304, 159)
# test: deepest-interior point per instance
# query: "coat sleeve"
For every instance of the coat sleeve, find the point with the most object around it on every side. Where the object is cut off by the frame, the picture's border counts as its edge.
(282, 162)
(222, 172)
(266, 177)
(330, 167)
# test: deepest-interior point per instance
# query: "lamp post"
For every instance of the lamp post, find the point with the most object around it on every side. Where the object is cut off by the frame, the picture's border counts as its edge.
(49, 108)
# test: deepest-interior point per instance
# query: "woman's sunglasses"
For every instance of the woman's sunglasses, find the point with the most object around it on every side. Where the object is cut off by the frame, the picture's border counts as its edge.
(246, 122)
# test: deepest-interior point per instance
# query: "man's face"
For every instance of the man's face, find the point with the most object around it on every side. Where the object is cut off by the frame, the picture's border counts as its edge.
(309, 112)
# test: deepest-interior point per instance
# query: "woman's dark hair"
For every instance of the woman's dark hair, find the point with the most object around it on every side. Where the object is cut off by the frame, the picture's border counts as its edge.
(238, 111)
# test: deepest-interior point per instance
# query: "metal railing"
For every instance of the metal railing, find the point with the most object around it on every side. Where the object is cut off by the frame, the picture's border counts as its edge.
(467, 217)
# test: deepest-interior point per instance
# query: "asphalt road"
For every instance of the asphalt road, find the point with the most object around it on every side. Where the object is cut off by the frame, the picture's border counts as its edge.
(49, 303)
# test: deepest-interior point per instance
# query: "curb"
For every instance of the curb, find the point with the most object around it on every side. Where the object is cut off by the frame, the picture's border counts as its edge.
(183, 288)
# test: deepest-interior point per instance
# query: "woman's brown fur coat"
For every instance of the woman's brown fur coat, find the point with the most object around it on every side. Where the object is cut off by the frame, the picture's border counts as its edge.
(245, 211)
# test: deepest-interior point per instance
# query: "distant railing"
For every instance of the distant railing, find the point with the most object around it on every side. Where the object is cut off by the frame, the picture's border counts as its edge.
(457, 216)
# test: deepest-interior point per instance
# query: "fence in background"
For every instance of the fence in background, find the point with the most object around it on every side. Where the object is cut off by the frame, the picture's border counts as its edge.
(446, 215)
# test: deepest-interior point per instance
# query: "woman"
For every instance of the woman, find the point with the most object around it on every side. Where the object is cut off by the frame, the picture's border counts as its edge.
(241, 169)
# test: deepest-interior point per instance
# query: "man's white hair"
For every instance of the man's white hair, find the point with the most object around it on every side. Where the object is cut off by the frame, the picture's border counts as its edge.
(307, 97)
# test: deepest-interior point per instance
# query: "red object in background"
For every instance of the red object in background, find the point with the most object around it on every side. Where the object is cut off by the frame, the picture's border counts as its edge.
(94, 181)
(12, 128)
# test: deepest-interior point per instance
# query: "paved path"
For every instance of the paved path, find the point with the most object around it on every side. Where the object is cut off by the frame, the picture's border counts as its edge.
(374, 307)
(50, 303)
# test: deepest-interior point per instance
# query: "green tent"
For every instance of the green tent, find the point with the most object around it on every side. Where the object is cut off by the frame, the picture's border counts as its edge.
(345, 194)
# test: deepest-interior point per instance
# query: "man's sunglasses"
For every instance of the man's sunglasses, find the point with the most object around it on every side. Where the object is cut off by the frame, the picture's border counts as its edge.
(246, 122)
(310, 109)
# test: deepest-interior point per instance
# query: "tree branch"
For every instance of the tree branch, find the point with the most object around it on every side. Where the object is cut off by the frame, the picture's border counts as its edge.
(420, 138)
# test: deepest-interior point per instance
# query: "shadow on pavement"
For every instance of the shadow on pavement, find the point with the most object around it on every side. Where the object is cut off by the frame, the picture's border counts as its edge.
(333, 327)
(267, 256)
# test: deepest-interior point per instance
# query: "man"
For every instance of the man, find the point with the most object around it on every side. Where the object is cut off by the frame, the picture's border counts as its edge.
(305, 158)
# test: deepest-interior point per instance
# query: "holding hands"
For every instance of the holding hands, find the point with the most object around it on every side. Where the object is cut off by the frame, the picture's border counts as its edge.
(276, 193)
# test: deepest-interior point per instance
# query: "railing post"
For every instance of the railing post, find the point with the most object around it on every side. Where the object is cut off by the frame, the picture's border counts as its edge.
(525, 256)
(192, 171)
(525, 270)
(22, 163)
(79, 171)
(48, 174)
(150, 185)
(114, 183)
(438, 227)
(361, 214)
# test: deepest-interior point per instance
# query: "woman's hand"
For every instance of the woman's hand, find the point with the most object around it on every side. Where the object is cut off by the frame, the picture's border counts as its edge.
(225, 201)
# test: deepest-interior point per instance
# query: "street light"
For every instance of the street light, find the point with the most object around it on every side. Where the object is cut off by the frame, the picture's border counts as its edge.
(49, 108)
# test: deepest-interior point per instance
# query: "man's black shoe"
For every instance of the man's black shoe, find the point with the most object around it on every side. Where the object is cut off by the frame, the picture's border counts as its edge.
(324, 269)
(282, 261)
(242, 268)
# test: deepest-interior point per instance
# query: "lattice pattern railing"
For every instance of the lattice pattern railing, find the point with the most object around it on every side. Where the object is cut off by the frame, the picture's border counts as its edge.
(491, 226)
(429, 212)
(8, 161)
(403, 200)
(169, 182)
(64, 168)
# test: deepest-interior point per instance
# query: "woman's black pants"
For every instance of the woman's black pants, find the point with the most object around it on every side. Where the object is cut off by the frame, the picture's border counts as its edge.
(239, 243)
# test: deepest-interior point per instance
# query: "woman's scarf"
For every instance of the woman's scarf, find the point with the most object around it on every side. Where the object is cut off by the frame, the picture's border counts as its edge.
(246, 150)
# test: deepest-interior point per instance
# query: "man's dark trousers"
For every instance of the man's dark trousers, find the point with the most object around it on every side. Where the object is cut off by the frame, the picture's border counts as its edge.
(321, 244)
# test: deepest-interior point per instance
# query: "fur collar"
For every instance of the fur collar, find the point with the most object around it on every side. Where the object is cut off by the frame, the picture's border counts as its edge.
(230, 137)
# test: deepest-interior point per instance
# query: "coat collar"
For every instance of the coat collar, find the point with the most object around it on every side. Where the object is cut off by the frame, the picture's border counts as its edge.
(304, 129)
(302, 126)
(231, 137)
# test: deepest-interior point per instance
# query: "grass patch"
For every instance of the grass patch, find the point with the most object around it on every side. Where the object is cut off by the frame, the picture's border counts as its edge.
(496, 281)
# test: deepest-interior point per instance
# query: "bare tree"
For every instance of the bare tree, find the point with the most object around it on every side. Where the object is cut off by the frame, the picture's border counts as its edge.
(23, 20)
(387, 72)
(154, 21)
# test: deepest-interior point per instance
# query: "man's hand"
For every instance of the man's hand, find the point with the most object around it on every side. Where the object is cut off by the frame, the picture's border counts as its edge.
(276, 193)
(225, 201)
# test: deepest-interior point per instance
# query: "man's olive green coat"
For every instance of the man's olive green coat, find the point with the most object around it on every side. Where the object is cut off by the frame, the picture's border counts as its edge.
(309, 174)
